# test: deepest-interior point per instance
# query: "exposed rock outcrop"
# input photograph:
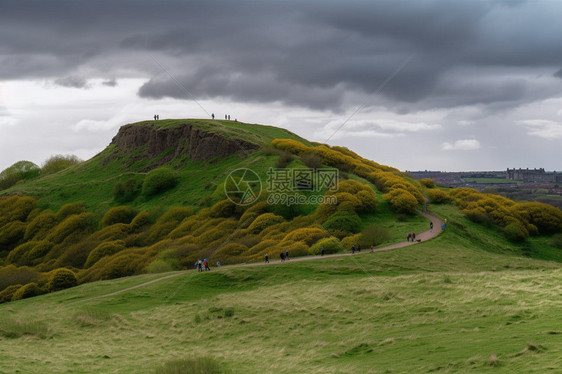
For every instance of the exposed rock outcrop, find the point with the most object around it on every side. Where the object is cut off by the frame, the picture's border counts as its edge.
(178, 141)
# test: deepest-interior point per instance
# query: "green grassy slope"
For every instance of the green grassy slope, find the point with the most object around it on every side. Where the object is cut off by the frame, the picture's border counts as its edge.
(439, 306)
(92, 181)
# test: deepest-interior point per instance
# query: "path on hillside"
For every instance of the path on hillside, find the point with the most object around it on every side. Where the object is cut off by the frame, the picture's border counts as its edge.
(423, 236)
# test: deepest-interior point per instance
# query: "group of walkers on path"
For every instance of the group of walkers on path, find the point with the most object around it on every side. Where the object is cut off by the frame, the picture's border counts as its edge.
(203, 265)
(284, 256)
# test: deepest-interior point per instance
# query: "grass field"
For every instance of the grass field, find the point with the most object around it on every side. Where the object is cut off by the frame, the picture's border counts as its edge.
(491, 180)
(445, 305)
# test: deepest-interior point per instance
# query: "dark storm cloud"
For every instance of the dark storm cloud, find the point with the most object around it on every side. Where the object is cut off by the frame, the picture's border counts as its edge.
(299, 53)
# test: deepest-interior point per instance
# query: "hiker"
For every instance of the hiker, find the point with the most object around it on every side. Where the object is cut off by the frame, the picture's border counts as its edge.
(358, 247)
(155, 117)
(225, 116)
(353, 249)
(443, 226)
(282, 257)
(372, 248)
(213, 115)
(266, 259)
(287, 254)
(409, 236)
(431, 226)
(200, 265)
(196, 264)
(322, 251)
(218, 264)
(414, 237)
(229, 117)
(206, 265)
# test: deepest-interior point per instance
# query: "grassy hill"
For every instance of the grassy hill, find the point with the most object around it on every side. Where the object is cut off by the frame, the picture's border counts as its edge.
(92, 181)
(440, 306)
(482, 296)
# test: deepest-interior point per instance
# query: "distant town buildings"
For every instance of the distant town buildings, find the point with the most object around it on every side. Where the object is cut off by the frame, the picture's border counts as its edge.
(533, 175)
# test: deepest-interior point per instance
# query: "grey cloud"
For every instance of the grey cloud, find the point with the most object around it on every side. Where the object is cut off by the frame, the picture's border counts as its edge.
(110, 82)
(558, 74)
(308, 54)
(72, 82)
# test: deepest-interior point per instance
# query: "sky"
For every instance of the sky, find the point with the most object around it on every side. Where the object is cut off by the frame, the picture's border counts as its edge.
(414, 84)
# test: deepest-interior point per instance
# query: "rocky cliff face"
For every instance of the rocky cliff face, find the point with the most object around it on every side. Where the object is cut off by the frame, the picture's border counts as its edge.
(179, 141)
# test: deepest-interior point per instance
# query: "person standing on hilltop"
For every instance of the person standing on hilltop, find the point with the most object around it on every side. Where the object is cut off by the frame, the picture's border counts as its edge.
(213, 115)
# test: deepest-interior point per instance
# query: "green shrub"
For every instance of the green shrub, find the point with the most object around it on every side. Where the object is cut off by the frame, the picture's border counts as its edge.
(59, 162)
(119, 266)
(70, 209)
(18, 255)
(118, 214)
(312, 160)
(127, 191)
(27, 291)
(307, 235)
(10, 275)
(263, 221)
(284, 160)
(224, 208)
(429, 183)
(515, 232)
(402, 201)
(230, 253)
(15, 208)
(331, 245)
(158, 181)
(75, 224)
(39, 250)
(61, 279)
(142, 219)
(39, 227)
(104, 249)
(344, 221)
(438, 196)
(11, 234)
(373, 235)
(7, 293)
(175, 215)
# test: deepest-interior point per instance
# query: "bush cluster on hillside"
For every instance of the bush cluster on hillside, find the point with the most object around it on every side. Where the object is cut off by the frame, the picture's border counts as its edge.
(518, 220)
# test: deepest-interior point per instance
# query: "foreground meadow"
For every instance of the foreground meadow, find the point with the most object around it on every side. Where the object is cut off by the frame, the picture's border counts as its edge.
(431, 307)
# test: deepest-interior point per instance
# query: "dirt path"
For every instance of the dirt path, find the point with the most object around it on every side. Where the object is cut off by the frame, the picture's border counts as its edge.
(423, 236)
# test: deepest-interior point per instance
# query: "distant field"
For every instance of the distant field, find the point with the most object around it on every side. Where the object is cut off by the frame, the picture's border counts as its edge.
(491, 180)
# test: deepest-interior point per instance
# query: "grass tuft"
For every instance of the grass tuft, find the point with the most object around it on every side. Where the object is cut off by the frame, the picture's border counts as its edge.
(13, 329)
(199, 365)
(493, 360)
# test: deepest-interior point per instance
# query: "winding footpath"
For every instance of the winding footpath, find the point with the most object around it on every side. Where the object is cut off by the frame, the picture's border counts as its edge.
(426, 235)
